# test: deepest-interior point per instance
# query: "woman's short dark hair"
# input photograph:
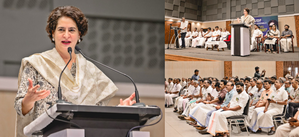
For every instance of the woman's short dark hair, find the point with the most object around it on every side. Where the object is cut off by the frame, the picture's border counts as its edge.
(247, 10)
(67, 11)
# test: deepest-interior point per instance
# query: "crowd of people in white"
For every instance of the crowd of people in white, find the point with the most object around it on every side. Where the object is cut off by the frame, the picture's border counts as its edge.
(205, 103)
(207, 39)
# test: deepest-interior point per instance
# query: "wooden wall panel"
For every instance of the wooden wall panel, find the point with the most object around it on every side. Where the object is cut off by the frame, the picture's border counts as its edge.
(167, 28)
(279, 69)
(228, 69)
(228, 27)
(292, 64)
(297, 28)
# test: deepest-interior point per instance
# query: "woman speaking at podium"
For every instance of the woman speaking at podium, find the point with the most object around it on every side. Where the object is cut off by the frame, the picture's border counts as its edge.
(248, 20)
(81, 83)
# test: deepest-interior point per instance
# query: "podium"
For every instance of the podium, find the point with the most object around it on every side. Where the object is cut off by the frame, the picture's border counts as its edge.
(96, 121)
(175, 36)
(240, 40)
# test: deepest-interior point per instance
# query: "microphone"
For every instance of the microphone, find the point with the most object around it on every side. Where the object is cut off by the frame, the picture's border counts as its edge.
(136, 91)
(69, 50)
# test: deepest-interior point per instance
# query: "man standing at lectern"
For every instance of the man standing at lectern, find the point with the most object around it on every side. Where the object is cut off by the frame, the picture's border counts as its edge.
(183, 27)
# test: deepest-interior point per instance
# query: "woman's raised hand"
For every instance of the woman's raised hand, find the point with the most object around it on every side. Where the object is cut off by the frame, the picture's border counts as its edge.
(32, 96)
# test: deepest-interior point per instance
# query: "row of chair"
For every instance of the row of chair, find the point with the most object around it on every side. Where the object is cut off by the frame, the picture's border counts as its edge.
(261, 42)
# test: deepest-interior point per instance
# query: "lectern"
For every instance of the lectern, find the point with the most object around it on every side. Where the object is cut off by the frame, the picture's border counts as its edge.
(240, 40)
(95, 121)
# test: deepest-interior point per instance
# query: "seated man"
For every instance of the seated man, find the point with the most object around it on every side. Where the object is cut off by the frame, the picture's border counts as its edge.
(286, 39)
(188, 92)
(170, 85)
(203, 113)
(294, 96)
(193, 35)
(214, 37)
(262, 118)
(260, 97)
(218, 122)
(257, 33)
(224, 34)
(290, 129)
(207, 35)
(204, 94)
(173, 93)
(195, 41)
(252, 89)
(190, 104)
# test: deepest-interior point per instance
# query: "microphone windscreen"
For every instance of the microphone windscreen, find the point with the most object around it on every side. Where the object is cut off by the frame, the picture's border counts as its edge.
(77, 48)
(69, 50)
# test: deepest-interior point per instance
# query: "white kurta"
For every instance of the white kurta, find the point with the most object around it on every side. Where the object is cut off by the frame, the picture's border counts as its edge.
(256, 33)
(193, 91)
(264, 120)
(252, 90)
(195, 41)
(224, 35)
(188, 34)
(218, 122)
(168, 97)
(191, 104)
(203, 40)
(286, 130)
(272, 33)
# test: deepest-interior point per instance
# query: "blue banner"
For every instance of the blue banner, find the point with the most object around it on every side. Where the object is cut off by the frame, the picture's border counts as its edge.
(265, 22)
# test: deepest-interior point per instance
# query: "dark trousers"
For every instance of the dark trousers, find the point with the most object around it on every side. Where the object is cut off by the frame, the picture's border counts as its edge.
(183, 35)
(292, 109)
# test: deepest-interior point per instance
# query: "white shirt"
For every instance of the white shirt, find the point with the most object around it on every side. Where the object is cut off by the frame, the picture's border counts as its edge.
(176, 87)
(224, 34)
(196, 90)
(295, 94)
(170, 86)
(188, 33)
(205, 92)
(256, 33)
(194, 33)
(189, 90)
(184, 84)
(252, 90)
(239, 100)
(257, 95)
(215, 33)
(209, 33)
(200, 34)
(184, 25)
(278, 95)
(214, 93)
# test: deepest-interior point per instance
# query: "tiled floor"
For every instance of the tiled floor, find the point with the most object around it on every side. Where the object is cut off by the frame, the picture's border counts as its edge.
(175, 127)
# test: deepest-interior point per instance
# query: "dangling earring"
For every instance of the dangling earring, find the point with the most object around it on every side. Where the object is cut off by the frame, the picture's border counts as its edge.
(53, 39)
(79, 40)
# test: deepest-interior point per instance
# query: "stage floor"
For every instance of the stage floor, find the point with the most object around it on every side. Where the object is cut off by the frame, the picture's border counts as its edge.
(226, 56)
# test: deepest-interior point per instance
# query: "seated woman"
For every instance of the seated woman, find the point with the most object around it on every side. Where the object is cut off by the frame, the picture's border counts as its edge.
(82, 83)
(270, 42)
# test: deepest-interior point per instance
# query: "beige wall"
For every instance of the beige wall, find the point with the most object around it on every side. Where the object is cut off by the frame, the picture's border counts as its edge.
(197, 25)
(246, 68)
(8, 114)
(220, 24)
(179, 69)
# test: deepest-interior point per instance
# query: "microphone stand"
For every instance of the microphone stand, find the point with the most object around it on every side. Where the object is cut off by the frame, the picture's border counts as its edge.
(60, 101)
